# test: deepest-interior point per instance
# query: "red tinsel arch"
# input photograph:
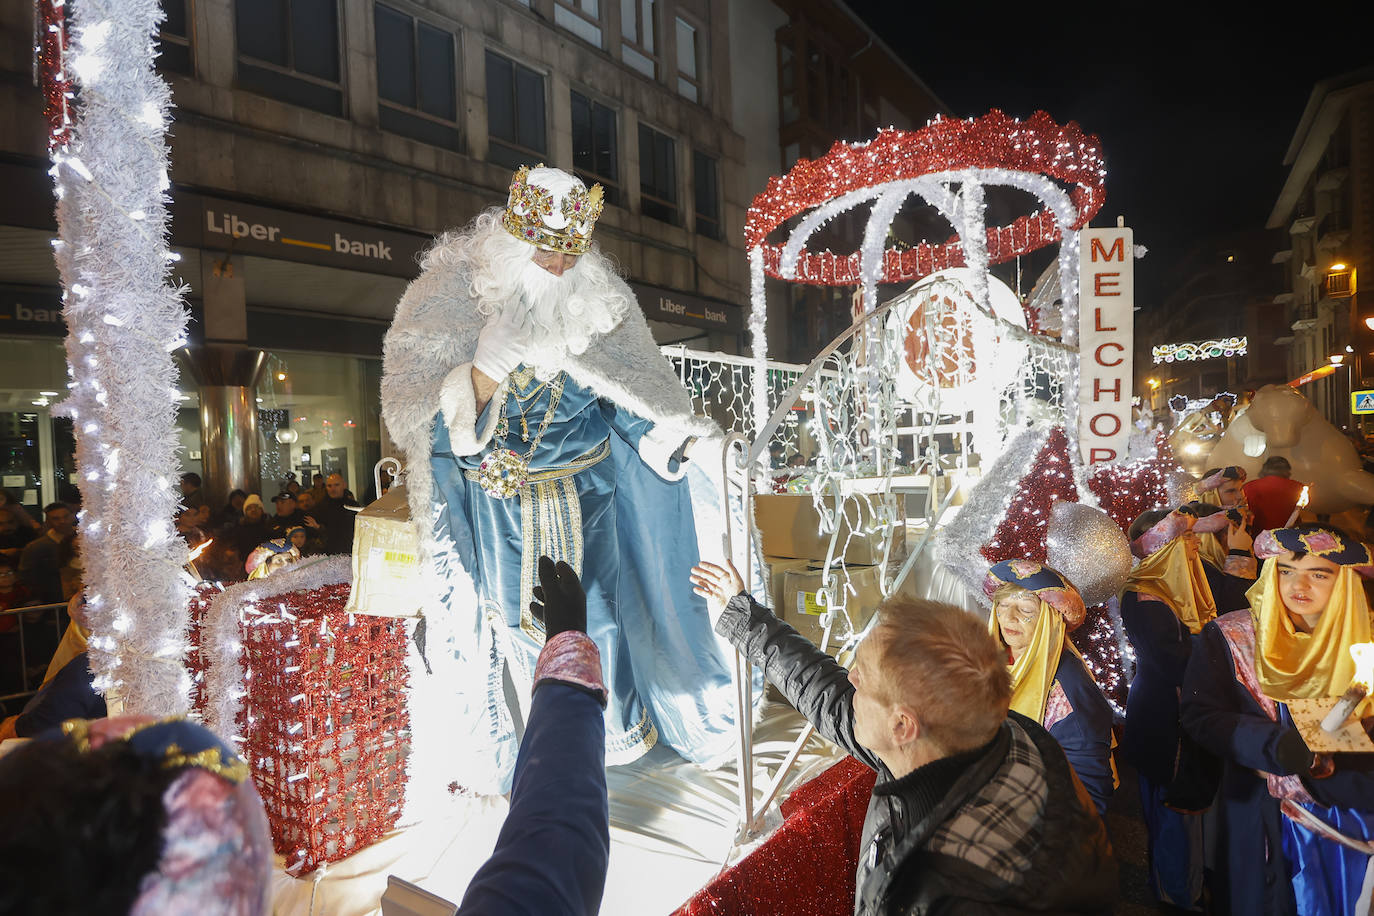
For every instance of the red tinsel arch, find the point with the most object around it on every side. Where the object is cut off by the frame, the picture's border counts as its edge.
(995, 140)
(50, 48)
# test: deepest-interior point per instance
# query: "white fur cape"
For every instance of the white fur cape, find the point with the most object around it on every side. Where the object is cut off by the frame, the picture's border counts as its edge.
(427, 363)
(426, 371)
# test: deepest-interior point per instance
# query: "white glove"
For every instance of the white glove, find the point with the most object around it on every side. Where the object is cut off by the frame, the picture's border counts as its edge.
(502, 342)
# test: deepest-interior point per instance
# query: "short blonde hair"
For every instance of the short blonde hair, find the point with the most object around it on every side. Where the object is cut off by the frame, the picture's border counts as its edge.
(942, 661)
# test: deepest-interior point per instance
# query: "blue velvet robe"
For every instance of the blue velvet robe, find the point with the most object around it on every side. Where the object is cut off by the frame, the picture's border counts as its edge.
(1272, 866)
(1086, 733)
(631, 536)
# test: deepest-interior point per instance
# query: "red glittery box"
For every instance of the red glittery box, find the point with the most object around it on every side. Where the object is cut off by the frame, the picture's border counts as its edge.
(327, 728)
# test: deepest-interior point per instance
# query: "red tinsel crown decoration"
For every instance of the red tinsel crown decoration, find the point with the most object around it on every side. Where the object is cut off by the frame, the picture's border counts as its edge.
(994, 141)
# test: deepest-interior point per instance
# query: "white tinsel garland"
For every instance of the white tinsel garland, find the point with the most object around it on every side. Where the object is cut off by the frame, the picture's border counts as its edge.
(758, 338)
(959, 545)
(124, 320)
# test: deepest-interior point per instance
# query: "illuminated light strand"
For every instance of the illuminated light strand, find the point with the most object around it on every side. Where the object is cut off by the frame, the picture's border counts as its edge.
(1221, 348)
(995, 141)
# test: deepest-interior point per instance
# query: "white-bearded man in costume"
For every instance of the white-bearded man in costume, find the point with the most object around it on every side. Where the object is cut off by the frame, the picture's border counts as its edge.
(537, 417)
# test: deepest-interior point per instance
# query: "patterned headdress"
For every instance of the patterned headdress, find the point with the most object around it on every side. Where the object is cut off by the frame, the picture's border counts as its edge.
(1327, 543)
(552, 210)
(216, 848)
(1208, 519)
(1318, 663)
(1215, 482)
(1046, 583)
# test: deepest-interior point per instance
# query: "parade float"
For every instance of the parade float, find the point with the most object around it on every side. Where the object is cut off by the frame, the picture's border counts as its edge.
(951, 396)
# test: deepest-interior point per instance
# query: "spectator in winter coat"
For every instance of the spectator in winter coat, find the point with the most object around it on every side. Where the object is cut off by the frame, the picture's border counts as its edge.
(975, 809)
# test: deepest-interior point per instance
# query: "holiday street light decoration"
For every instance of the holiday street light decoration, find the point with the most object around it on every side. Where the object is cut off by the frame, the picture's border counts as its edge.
(1222, 348)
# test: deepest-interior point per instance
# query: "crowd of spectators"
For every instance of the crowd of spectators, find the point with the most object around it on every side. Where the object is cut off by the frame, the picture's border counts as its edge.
(40, 561)
(317, 520)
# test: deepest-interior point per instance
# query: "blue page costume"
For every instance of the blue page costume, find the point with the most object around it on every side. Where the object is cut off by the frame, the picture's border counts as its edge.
(1296, 835)
(1050, 683)
(594, 472)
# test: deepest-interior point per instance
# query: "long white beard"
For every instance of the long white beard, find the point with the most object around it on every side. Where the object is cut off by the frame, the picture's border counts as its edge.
(564, 313)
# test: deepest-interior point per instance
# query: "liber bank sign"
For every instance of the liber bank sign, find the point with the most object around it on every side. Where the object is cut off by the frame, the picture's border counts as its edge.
(1106, 342)
(205, 222)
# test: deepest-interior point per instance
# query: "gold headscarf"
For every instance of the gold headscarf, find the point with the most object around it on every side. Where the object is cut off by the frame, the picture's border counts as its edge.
(1176, 577)
(1293, 664)
(1209, 548)
(1032, 675)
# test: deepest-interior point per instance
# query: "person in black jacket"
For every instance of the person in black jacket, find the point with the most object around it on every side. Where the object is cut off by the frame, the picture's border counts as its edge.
(975, 809)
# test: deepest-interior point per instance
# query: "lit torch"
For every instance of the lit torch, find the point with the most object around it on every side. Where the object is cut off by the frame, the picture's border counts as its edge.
(1363, 653)
(195, 555)
(1302, 504)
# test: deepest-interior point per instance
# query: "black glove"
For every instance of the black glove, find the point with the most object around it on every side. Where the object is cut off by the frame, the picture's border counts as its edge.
(1293, 753)
(559, 602)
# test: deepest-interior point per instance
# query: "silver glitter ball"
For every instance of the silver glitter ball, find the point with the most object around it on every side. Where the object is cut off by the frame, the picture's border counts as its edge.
(1090, 550)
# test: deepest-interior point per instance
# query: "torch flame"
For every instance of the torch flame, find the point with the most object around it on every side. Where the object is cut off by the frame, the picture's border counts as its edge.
(1302, 500)
(195, 554)
(1363, 653)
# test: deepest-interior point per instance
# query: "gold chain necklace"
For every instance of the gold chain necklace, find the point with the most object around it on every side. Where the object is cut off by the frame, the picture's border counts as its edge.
(503, 473)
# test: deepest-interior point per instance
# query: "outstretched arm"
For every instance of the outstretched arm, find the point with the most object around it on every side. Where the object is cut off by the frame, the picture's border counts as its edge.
(553, 850)
(813, 682)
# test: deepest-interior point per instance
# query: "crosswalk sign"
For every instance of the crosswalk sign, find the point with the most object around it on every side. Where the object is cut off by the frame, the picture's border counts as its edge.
(1362, 402)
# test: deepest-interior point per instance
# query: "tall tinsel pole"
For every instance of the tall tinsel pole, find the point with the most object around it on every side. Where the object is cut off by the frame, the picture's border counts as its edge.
(124, 319)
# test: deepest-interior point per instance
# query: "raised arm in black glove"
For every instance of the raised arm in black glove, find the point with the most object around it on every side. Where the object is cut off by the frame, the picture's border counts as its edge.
(561, 605)
(559, 602)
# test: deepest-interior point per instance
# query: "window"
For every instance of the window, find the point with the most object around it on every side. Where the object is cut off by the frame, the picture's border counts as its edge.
(688, 61)
(289, 49)
(657, 175)
(706, 191)
(515, 113)
(594, 146)
(638, 25)
(415, 79)
(581, 17)
(174, 38)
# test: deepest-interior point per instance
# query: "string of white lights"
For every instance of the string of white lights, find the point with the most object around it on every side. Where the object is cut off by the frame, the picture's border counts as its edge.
(124, 320)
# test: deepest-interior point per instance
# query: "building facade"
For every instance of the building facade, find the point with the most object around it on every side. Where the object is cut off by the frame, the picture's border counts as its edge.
(318, 146)
(1326, 214)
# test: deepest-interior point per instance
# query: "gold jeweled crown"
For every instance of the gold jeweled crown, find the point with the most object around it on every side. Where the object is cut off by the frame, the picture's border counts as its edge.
(552, 210)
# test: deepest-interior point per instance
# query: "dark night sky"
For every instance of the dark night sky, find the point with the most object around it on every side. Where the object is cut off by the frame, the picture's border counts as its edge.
(1194, 110)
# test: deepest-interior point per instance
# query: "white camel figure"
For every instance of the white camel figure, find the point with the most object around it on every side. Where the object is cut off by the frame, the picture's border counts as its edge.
(1280, 421)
